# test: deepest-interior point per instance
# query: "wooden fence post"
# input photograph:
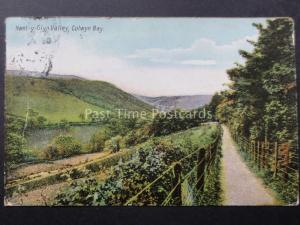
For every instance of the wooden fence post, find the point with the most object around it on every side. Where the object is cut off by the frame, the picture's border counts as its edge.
(248, 150)
(177, 182)
(275, 159)
(254, 151)
(251, 149)
(267, 151)
(262, 158)
(265, 156)
(201, 170)
(211, 147)
(286, 162)
(258, 154)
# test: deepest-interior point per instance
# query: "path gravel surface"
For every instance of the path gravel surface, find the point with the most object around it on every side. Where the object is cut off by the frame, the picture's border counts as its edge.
(241, 187)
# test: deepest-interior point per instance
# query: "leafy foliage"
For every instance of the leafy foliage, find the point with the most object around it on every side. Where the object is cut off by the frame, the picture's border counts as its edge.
(14, 141)
(127, 179)
(97, 142)
(62, 146)
(176, 120)
(261, 101)
(114, 144)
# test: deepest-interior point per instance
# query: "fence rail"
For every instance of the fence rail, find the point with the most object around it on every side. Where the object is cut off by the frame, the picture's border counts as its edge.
(281, 160)
(180, 171)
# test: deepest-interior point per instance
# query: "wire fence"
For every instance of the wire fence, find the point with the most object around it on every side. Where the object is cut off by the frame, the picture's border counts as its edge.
(192, 168)
(280, 160)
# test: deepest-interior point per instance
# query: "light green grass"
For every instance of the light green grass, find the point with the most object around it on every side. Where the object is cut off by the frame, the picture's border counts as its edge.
(48, 102)
(58, 99)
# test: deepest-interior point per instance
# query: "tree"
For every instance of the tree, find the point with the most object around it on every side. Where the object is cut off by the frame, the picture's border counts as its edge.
(261, 101)
(14, 144)
(215, 101)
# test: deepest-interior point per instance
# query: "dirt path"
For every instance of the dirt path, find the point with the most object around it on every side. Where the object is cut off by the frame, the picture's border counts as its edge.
(28, 170)
(241, 187)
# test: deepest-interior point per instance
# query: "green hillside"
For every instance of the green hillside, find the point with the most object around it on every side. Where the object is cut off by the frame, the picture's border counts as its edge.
(58, 99)
(100, 93)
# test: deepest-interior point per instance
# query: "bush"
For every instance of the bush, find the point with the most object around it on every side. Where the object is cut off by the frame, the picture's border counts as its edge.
(35, 121)
(97, 142)
(166, 123)
(14, 152)
(67, 145)
(50, 152)
(130, 139)
(114, 144)
(62, 146)
(137, 136)
(126, 179)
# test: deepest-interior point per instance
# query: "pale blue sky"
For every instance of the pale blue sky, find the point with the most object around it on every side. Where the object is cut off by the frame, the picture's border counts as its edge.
(149, 56)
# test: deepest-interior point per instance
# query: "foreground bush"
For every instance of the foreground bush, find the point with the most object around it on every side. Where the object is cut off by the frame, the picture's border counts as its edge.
(114, 144)
(62, 146)
(127, 179)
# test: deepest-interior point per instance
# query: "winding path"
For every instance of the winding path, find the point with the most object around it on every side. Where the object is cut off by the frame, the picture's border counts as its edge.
(241, 187)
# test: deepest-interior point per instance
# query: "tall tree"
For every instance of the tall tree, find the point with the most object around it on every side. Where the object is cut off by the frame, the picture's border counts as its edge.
(261, 101)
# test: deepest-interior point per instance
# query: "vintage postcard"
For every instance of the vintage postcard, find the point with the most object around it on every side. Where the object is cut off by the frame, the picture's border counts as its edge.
(150, 112)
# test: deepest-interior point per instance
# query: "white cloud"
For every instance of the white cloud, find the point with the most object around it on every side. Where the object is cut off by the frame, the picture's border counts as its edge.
(79, 58)
(200, 48)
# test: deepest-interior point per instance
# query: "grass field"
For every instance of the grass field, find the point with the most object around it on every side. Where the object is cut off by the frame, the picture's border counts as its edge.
(50, 103)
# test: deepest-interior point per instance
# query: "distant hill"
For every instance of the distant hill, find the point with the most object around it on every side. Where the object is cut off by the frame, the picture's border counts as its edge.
(167, 103)
(40, 74)
(62, 98)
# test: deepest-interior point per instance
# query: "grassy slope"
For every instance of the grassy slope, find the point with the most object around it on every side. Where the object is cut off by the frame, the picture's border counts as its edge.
(102, 94)
(58, 99)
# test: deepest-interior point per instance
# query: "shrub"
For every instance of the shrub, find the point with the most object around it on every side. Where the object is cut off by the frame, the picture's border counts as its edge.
(137, 136)
(67, 145)
(97, 142)
(62, 146)
(126, 179)
(14, 152)
(130, 139)
(114, 144)
(35, 121)
(50, 152)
